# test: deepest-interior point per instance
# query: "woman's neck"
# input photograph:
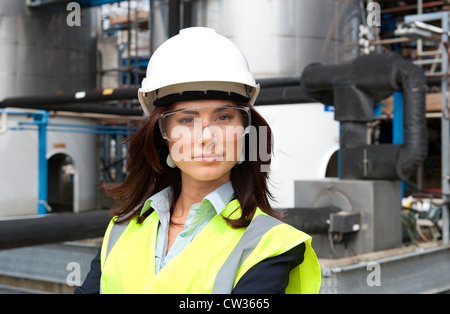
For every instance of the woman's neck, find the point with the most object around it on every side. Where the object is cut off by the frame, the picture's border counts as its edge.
(193, 191)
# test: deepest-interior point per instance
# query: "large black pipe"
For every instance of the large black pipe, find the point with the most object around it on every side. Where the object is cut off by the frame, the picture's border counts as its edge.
(352, 88)
(290, 94)
(52, 228)
(92, 108)
(106, 94)
(81, 101)
(174, 17)
(282, 90)
(310, 220)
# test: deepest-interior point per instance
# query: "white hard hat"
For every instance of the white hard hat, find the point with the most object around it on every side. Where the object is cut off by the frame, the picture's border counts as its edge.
(197, 63)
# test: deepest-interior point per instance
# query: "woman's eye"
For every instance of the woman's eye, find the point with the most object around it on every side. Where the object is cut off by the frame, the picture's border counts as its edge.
(186, 120)
(224, 118)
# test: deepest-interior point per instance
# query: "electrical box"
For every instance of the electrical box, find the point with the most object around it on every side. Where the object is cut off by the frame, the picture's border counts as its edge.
(371, 217)
(345, 222)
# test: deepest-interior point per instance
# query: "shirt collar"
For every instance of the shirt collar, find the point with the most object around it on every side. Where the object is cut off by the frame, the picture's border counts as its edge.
(219, 198)
(159, 201)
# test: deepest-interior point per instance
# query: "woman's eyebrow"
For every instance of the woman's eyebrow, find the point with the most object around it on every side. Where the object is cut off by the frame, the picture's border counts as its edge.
(222, 108)
(187, 111)
(218, 109)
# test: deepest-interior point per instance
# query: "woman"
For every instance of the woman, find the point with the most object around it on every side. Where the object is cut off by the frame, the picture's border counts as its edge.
(193, 214)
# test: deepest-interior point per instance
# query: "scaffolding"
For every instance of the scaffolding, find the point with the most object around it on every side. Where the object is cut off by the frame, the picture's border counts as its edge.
(443, 17)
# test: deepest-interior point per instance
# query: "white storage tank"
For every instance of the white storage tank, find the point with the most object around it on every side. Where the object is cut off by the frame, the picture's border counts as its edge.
(40, 54)
(278, 37)
(72, 172)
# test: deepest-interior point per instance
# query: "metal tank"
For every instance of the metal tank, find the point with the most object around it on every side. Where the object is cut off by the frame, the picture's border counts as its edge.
(278, 37)
(41, 54)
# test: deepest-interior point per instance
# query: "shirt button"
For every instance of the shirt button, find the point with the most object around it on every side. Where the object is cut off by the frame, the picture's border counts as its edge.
(183, 234)
(199, 211)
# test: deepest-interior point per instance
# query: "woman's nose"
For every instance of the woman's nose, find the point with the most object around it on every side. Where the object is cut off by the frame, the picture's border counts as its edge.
(207, 134)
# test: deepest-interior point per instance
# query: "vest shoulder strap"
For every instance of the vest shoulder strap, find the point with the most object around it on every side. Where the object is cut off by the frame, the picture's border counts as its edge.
(114, 235)
(225, 278)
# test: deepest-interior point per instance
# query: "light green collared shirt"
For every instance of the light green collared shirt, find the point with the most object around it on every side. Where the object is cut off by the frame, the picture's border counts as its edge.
(199, 215)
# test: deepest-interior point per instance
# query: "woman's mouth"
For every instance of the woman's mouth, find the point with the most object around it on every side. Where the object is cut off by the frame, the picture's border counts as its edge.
(208, 158)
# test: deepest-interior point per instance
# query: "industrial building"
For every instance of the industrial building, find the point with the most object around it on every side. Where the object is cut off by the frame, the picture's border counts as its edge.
(355, 92)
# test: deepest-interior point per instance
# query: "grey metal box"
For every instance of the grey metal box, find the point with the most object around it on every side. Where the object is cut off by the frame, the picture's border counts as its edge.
(378, 202)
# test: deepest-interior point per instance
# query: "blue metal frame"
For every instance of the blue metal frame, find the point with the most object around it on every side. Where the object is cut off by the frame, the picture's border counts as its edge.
(83, 3)
(41, 120)
(94, 3)
(397, 128)
(80, 128)
(397, 123)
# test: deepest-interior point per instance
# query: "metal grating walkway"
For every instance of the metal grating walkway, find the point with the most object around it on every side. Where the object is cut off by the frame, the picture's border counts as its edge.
(47, 263)
(418, 271)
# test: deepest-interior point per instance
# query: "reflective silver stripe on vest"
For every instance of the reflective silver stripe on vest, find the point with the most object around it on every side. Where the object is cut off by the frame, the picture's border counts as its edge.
(258, 227)
(117, 230)
(114, 235)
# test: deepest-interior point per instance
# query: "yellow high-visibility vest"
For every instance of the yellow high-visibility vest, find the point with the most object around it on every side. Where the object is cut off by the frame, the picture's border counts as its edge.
(213, 262)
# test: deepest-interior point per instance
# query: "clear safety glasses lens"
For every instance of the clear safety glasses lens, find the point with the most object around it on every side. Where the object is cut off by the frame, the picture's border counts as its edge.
(188, 124)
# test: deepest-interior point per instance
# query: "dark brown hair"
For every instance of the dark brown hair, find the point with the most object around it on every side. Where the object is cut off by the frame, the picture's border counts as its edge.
(149, 173)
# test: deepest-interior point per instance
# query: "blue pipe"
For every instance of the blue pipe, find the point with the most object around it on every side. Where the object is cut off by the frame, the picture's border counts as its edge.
(18, 112)
(397, 128)
(96, 128)
(41, 119)
(94, 3)
(89, 126)
(397, 123)
(72, 131)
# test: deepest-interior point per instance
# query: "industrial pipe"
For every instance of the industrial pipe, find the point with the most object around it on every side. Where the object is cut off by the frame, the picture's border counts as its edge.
(55, 228)
(310, 220)
(52, 228)
(282, 90)
(80, 101)
(174, 17)
(292, 94)
(105, 94)
(90, 108)
(353, 88)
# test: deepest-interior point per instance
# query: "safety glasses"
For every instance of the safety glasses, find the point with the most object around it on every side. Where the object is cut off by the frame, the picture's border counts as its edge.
(188, 124)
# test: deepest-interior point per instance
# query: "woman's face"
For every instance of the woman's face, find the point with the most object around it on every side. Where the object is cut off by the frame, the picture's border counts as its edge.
(205, 137)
